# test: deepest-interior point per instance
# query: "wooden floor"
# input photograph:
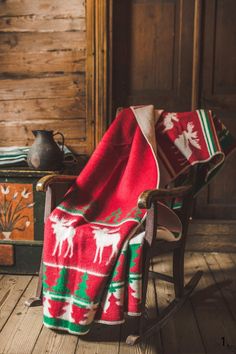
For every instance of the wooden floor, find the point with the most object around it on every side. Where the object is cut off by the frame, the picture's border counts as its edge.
(206, 323)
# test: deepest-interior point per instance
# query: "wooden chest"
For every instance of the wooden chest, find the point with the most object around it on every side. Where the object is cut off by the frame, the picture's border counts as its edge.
(21, 221)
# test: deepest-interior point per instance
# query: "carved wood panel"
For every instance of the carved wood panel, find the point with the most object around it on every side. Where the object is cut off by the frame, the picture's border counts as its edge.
(218, 92)
(180, 55)
(151, 44)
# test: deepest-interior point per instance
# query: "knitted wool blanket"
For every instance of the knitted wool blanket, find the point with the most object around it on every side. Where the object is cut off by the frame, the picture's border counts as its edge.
(92, 249)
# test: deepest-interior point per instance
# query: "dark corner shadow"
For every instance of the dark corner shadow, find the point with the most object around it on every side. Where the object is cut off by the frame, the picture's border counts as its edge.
(208, 294)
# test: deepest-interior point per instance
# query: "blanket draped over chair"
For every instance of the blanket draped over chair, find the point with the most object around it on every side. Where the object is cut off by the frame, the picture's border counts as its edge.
(92, 258)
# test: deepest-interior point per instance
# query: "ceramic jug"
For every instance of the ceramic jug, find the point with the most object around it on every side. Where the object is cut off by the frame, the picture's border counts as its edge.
(45, 154)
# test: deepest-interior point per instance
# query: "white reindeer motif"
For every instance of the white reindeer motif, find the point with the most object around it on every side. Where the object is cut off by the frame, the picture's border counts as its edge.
(168, 121)
(63, 231)
(105, 237)
(185, 139)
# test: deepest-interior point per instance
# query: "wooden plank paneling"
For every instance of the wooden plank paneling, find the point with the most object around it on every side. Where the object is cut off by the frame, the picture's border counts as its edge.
(212, 236)
(38, 63)
(42, 24)
(43, 47)
(41, 42)
(219, 61)
(156, 52)
(43, 7)
(91, 74)
(47, 87)
(12, 133)
(152, 63)
(218, 93)
(39, 109)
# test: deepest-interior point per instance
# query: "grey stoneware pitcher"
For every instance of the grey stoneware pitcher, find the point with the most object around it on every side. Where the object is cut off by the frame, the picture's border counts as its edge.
(45, 154)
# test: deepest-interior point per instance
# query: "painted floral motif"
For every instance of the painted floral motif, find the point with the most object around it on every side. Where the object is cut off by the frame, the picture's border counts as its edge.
(14, 207)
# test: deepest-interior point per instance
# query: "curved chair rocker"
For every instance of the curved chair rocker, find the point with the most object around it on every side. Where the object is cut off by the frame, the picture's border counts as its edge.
(148, 200)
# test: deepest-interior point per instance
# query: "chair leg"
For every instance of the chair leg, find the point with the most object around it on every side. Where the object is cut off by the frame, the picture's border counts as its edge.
(132, 338)
(37, 299)
(178, 272)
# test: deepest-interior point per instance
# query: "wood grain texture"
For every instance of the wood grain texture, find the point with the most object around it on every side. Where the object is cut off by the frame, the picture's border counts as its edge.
(41, 42)
(42, 7)
(23, 319)
(218, 93)
(13, 132)
(180, 335)
(6, 255)
(212, 315)
(101, 340)
(11, 289)
(212, 235)
(198, 328)
(34, 23)
(47, 87)
(152, 61)
(222, 268)
(91, 74)
(40, 109)
(54, 343)
(43, 48)
(20, 64)
(101, 62)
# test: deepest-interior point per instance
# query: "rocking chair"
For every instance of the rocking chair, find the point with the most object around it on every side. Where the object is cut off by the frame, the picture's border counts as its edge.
(154, 247)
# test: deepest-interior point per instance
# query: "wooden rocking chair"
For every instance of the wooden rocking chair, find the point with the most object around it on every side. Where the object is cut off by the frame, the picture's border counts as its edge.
(148, 200)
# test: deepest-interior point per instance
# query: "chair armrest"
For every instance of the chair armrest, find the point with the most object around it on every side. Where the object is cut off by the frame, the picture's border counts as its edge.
(46, 181)
(150, 196)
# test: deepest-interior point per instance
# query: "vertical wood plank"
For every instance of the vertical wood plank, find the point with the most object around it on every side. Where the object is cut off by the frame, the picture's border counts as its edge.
(101, 45)
(196, 53)
(90, 73)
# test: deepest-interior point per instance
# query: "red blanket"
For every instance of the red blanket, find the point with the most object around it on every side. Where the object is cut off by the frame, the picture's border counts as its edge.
(92, 252)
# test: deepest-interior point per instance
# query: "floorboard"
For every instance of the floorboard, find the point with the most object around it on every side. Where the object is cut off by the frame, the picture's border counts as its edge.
(11, 290)
(52, 342)
(181, 334)
(102, 339)
(21, 331)
(214, 320)
(206, 324)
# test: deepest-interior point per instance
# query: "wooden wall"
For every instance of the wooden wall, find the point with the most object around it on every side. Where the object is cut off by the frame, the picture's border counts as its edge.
(42, 71)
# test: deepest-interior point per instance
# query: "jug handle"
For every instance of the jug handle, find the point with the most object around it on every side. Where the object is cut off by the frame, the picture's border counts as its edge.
(63, 139)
